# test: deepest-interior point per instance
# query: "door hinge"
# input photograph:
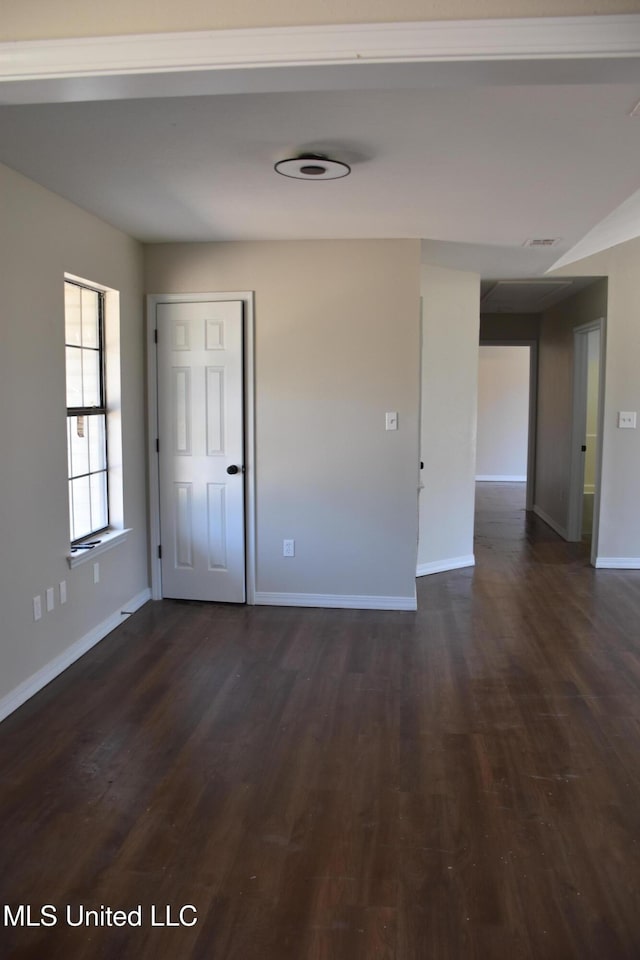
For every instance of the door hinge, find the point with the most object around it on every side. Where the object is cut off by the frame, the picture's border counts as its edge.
(155, 335)
(159, 552)
(157, 445)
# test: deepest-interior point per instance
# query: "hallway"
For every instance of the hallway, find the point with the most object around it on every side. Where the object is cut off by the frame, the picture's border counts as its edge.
(458, 784)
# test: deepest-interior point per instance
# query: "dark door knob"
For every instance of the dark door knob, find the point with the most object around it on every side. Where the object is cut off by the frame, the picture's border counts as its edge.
(233, 469)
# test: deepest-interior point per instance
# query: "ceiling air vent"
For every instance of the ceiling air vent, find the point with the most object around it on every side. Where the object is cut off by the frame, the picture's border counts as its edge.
(542, 242)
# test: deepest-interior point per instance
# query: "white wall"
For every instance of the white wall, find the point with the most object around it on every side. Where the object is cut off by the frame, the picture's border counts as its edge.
(41, 237)
(68, 18)
(450, 325)
(503, 413)
(336, 346)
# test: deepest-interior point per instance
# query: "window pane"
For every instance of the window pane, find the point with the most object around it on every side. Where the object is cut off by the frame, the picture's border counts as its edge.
(72, 313)
(97, 445)
(90, 335)
(79, 445)
(74, 377)
(91, 378)
(86, 433)
(81, 494)
(99, 500)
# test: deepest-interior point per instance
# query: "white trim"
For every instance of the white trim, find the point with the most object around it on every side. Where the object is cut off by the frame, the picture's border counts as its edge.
(501, 479)
(153, 299)
(335, 600)
(107, 540)
(550, 522)
(617, 563)
(446, 40)
(55, 667)
(597, 498)
(441, 566)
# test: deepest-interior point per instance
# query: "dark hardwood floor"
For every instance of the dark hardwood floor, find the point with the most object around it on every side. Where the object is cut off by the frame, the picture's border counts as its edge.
(458, 784)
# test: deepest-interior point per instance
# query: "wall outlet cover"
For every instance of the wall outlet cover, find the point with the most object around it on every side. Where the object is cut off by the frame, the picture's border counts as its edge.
(627, 419)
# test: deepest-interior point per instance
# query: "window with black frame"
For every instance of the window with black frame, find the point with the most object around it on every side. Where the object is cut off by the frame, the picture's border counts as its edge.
(86, 411)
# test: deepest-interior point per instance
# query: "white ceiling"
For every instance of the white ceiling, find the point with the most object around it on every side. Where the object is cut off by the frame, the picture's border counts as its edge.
(474, 168)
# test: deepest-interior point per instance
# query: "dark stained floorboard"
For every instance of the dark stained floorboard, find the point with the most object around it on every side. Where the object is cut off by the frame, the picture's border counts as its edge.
(458, 784)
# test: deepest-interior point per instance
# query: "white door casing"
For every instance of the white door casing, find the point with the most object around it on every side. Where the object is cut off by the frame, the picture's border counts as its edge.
(578, 433)
(200, 429)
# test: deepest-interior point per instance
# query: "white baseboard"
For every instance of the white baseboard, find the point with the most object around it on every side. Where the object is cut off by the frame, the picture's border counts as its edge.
(618, 563)
(335, 600)
(550, 522)
(506, 478)
(441, 566)
(55, 667)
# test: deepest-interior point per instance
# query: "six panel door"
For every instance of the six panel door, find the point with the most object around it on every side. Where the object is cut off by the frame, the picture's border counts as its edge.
(201, 458)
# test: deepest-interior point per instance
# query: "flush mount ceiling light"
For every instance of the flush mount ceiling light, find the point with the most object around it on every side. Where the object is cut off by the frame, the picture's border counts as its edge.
(312, 166)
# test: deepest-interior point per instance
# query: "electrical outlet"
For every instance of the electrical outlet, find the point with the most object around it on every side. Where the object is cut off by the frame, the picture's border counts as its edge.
(288, 548)
(62, 588)
(96, 572)
(50, 599)
(627, 420)
(37, 607)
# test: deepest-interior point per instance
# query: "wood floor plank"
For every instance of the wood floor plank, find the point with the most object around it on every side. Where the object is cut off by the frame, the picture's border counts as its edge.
(459, 783)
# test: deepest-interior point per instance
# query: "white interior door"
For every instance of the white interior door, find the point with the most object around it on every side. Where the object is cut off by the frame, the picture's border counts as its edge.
(201, 449)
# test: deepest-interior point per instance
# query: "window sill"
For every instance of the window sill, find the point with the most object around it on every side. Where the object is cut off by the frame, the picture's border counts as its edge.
(107, 540)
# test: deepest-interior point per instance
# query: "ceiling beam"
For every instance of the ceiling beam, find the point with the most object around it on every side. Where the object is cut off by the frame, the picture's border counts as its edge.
(86, 68)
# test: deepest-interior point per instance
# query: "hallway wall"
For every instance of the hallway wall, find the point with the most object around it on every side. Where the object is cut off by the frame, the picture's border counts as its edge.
(555, 400)
(503, 413)
(619, 540)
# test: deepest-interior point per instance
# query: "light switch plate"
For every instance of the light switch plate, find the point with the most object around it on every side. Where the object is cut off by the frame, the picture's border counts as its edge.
(627, 419)
(391, 420)
(50, 599)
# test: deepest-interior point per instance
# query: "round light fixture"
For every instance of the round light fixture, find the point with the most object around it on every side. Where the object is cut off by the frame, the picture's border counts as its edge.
(312, 166)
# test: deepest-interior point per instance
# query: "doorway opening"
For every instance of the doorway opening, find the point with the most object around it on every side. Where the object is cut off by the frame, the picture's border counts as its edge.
(505, 451)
